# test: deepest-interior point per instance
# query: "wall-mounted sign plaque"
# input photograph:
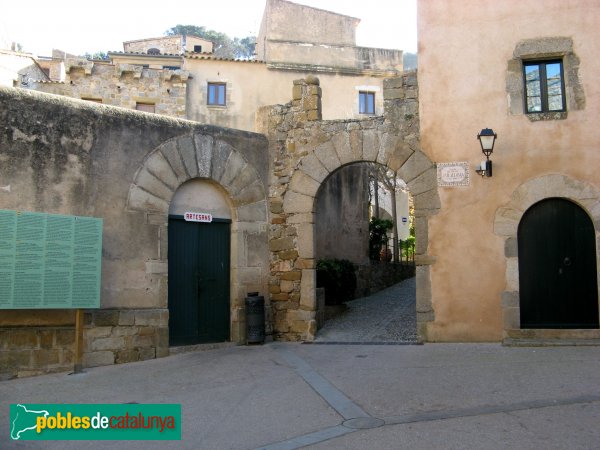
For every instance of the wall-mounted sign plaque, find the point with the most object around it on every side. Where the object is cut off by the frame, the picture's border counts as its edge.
(49, 261)
(197, 217)
(453, 174)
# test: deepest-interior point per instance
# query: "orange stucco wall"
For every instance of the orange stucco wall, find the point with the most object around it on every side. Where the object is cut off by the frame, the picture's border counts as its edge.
(464, 50)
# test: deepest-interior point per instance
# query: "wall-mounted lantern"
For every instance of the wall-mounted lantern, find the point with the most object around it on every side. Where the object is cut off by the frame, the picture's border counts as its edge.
(486, 137)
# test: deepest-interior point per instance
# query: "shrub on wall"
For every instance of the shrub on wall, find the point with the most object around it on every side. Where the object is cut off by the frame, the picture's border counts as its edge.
(338, 277)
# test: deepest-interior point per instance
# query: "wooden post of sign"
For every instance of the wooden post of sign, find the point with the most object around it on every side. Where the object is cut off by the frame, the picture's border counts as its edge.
(78, 364)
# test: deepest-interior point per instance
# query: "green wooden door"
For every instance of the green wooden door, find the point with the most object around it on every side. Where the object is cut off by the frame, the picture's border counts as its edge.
(198, 281)
(558, 285)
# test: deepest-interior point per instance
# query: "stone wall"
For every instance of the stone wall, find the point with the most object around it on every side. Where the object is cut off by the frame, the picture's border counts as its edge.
(280, 23)
(304, 151)
(378, 275)
(173, 45)
(122, 85)
(342, 215)
(64, 156)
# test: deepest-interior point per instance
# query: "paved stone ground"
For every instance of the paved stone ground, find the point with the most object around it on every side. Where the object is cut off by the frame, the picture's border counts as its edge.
(351, 397)
(388, 316)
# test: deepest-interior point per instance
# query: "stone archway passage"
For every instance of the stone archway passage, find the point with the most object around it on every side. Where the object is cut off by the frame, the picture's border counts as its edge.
(306, 151)
(506, 224)
(209, 157)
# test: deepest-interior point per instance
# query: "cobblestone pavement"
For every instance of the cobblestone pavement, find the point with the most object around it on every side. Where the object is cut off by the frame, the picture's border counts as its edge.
(388, 316)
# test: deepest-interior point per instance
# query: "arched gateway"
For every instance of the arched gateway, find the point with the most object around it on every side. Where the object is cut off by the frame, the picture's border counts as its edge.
(305, 150)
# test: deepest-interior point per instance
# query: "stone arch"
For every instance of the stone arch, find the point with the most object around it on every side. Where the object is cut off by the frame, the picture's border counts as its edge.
(350, 145)
(506, 223)
(204, 156)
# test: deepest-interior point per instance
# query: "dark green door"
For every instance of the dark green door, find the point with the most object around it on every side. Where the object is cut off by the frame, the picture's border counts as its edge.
(198, 281)
(557, 266)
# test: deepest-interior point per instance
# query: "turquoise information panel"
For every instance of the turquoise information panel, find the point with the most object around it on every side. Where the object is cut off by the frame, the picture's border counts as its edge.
(49, 260)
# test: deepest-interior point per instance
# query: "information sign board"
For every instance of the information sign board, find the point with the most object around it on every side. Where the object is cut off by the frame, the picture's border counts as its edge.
(49, 261)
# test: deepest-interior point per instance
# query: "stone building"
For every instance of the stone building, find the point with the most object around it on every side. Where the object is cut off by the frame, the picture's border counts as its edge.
(20, 69)
(227, 92)
(515, 254)
(142, 173)
(133, 86)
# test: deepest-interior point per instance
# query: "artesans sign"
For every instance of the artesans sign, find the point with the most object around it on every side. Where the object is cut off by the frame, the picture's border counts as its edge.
(197, 217)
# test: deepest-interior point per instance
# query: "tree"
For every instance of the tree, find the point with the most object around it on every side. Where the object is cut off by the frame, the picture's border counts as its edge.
(97, 55)
(389, 180)
(223, 45)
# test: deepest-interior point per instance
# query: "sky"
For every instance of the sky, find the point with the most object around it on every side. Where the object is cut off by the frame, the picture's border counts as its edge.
(78, 26)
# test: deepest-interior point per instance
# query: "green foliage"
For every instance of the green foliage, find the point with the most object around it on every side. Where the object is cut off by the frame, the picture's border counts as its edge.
(408, 247)
(338, 277)
(223, 45)
(378, 229)
(97, 55)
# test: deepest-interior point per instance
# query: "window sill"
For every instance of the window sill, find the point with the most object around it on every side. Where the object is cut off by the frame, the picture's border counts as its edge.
(536, 117)
(217, 106)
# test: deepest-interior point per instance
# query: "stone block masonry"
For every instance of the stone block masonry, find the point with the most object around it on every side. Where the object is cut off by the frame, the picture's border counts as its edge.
(304, 152)
(121, 336)
(123, 85)
(111, 336)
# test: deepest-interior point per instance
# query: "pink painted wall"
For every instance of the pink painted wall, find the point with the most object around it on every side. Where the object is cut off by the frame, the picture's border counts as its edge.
(464, 50)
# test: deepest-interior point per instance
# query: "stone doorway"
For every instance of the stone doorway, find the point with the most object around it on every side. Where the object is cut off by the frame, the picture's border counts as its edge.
(213, 168)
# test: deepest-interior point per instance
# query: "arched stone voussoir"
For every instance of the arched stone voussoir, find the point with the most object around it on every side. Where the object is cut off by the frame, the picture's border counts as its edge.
(387, 146)
(302, 183)
(158, 166)
(424, 182)
(246, 177)
(252, 193)
(414, 166)
(327, 155)
(187, 150)
(311, 166)
(204, 153)
(233, 168)
(370, 145)
(220, 155)
(341, 144)
(153, 185)
(400, 155)
(171, 153)
(140, 200)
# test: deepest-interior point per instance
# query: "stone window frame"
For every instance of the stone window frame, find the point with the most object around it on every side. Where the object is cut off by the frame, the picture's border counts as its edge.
(545, 48)
(506, 225)
(544, 85)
